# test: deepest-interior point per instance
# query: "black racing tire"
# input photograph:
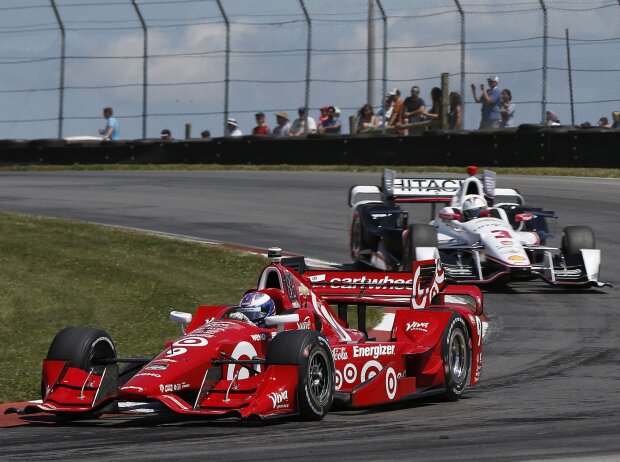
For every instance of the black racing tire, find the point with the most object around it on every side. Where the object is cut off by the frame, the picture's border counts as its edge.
(356, 239)
(456, 356)
(317, 373)
(82, 347)
(418, 235)
(575, 238)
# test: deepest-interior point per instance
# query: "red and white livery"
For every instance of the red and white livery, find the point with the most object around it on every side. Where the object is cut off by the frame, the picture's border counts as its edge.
(303, 359)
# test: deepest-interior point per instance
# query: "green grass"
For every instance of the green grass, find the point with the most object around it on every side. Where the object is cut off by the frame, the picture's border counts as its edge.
(55, 274)
(545, 171)
(58, 273)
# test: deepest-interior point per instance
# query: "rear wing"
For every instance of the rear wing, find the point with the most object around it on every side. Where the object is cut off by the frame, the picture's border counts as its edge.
(419, 190)
(414, 290)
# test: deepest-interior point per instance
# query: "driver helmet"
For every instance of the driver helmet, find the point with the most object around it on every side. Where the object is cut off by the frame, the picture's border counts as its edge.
(473, 206)
(257, 306)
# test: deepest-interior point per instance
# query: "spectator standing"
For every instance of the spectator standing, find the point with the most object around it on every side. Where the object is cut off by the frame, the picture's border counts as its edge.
(111, 129)
(507, 109)
(284, 126)
(435, 111)
(384, 113)
(232, 128)
(552, 119)
(206, 135)
(616, 118)
(395, 118)
(455, 113)
(332, 123)
(490, 99)
(298, 128)
(323, 116)
(603, 122)
(261, 127)
(166, 135)
(413, 107)
(366, 120)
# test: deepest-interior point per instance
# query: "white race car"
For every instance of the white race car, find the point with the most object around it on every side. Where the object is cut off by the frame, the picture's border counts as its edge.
(482, 234)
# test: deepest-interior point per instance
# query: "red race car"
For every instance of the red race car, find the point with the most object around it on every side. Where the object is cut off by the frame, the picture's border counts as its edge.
(290, 356)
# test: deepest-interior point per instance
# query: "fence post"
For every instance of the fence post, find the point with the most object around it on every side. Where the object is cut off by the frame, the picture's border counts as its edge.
(544, 63)
(144, 66)
(462, 14)
(445, 100)
(370, 95)
(308, 64)
(570, 81)
(227, 65)
(61, 104)
(384, 75)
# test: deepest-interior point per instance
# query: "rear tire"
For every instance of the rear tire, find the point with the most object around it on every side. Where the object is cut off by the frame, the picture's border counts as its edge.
(356, 242)
(317, 377)
(418, 235)
(456, 357)
(575, 238)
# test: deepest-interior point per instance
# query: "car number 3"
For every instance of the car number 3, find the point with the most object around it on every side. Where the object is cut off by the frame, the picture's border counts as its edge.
(501, 234)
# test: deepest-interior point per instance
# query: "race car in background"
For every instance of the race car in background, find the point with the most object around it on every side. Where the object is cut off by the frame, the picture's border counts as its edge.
(481, 233)
(295, 362)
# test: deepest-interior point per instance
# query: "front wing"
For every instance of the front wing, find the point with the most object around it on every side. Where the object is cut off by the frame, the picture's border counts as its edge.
(469, 265)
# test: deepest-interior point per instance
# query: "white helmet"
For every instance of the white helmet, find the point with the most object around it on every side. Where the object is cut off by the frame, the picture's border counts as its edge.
(257, 306)
(472, 206)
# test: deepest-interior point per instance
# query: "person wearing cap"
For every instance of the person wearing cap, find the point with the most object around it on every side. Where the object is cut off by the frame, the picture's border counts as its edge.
(165, 135)
(284, 126)
(414, 107)
(232, 128)
(491, 100)
(261, 127)
(552, 119)
(394, 120)
(323, 116)
(332, 123)
(298, 128)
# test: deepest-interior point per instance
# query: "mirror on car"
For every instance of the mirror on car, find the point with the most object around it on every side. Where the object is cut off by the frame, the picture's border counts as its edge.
(181, 318)
(526, 216)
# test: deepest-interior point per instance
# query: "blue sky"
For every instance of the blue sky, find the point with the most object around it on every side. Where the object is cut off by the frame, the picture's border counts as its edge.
(268, 65)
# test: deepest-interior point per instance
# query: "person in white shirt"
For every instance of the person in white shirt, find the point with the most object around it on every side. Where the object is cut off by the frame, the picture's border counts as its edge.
(299, 125)
(232, 128)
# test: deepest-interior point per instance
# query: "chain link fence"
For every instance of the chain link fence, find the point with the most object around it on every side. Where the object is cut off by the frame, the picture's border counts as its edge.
(166, 63)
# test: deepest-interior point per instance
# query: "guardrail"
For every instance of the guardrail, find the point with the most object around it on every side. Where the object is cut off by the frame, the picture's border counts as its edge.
(525, 146)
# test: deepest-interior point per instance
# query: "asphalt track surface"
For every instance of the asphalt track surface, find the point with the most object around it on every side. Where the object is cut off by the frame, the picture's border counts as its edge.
(551, 379)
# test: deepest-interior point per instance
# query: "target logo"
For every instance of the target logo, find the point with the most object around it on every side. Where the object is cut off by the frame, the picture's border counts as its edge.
(391, 383)
(178, 347)
(350, 373)
(243, 350)
(370, 369)
(338, 380)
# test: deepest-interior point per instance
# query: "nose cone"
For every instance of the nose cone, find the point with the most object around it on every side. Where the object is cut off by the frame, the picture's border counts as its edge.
(157, 378)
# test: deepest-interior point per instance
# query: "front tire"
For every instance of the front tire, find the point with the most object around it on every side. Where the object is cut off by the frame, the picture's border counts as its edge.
(84, 348)
(575, 238)
(456, 357)
(317, 377)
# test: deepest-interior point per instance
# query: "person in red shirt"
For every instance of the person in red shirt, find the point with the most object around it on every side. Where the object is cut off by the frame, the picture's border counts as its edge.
(261, 127)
